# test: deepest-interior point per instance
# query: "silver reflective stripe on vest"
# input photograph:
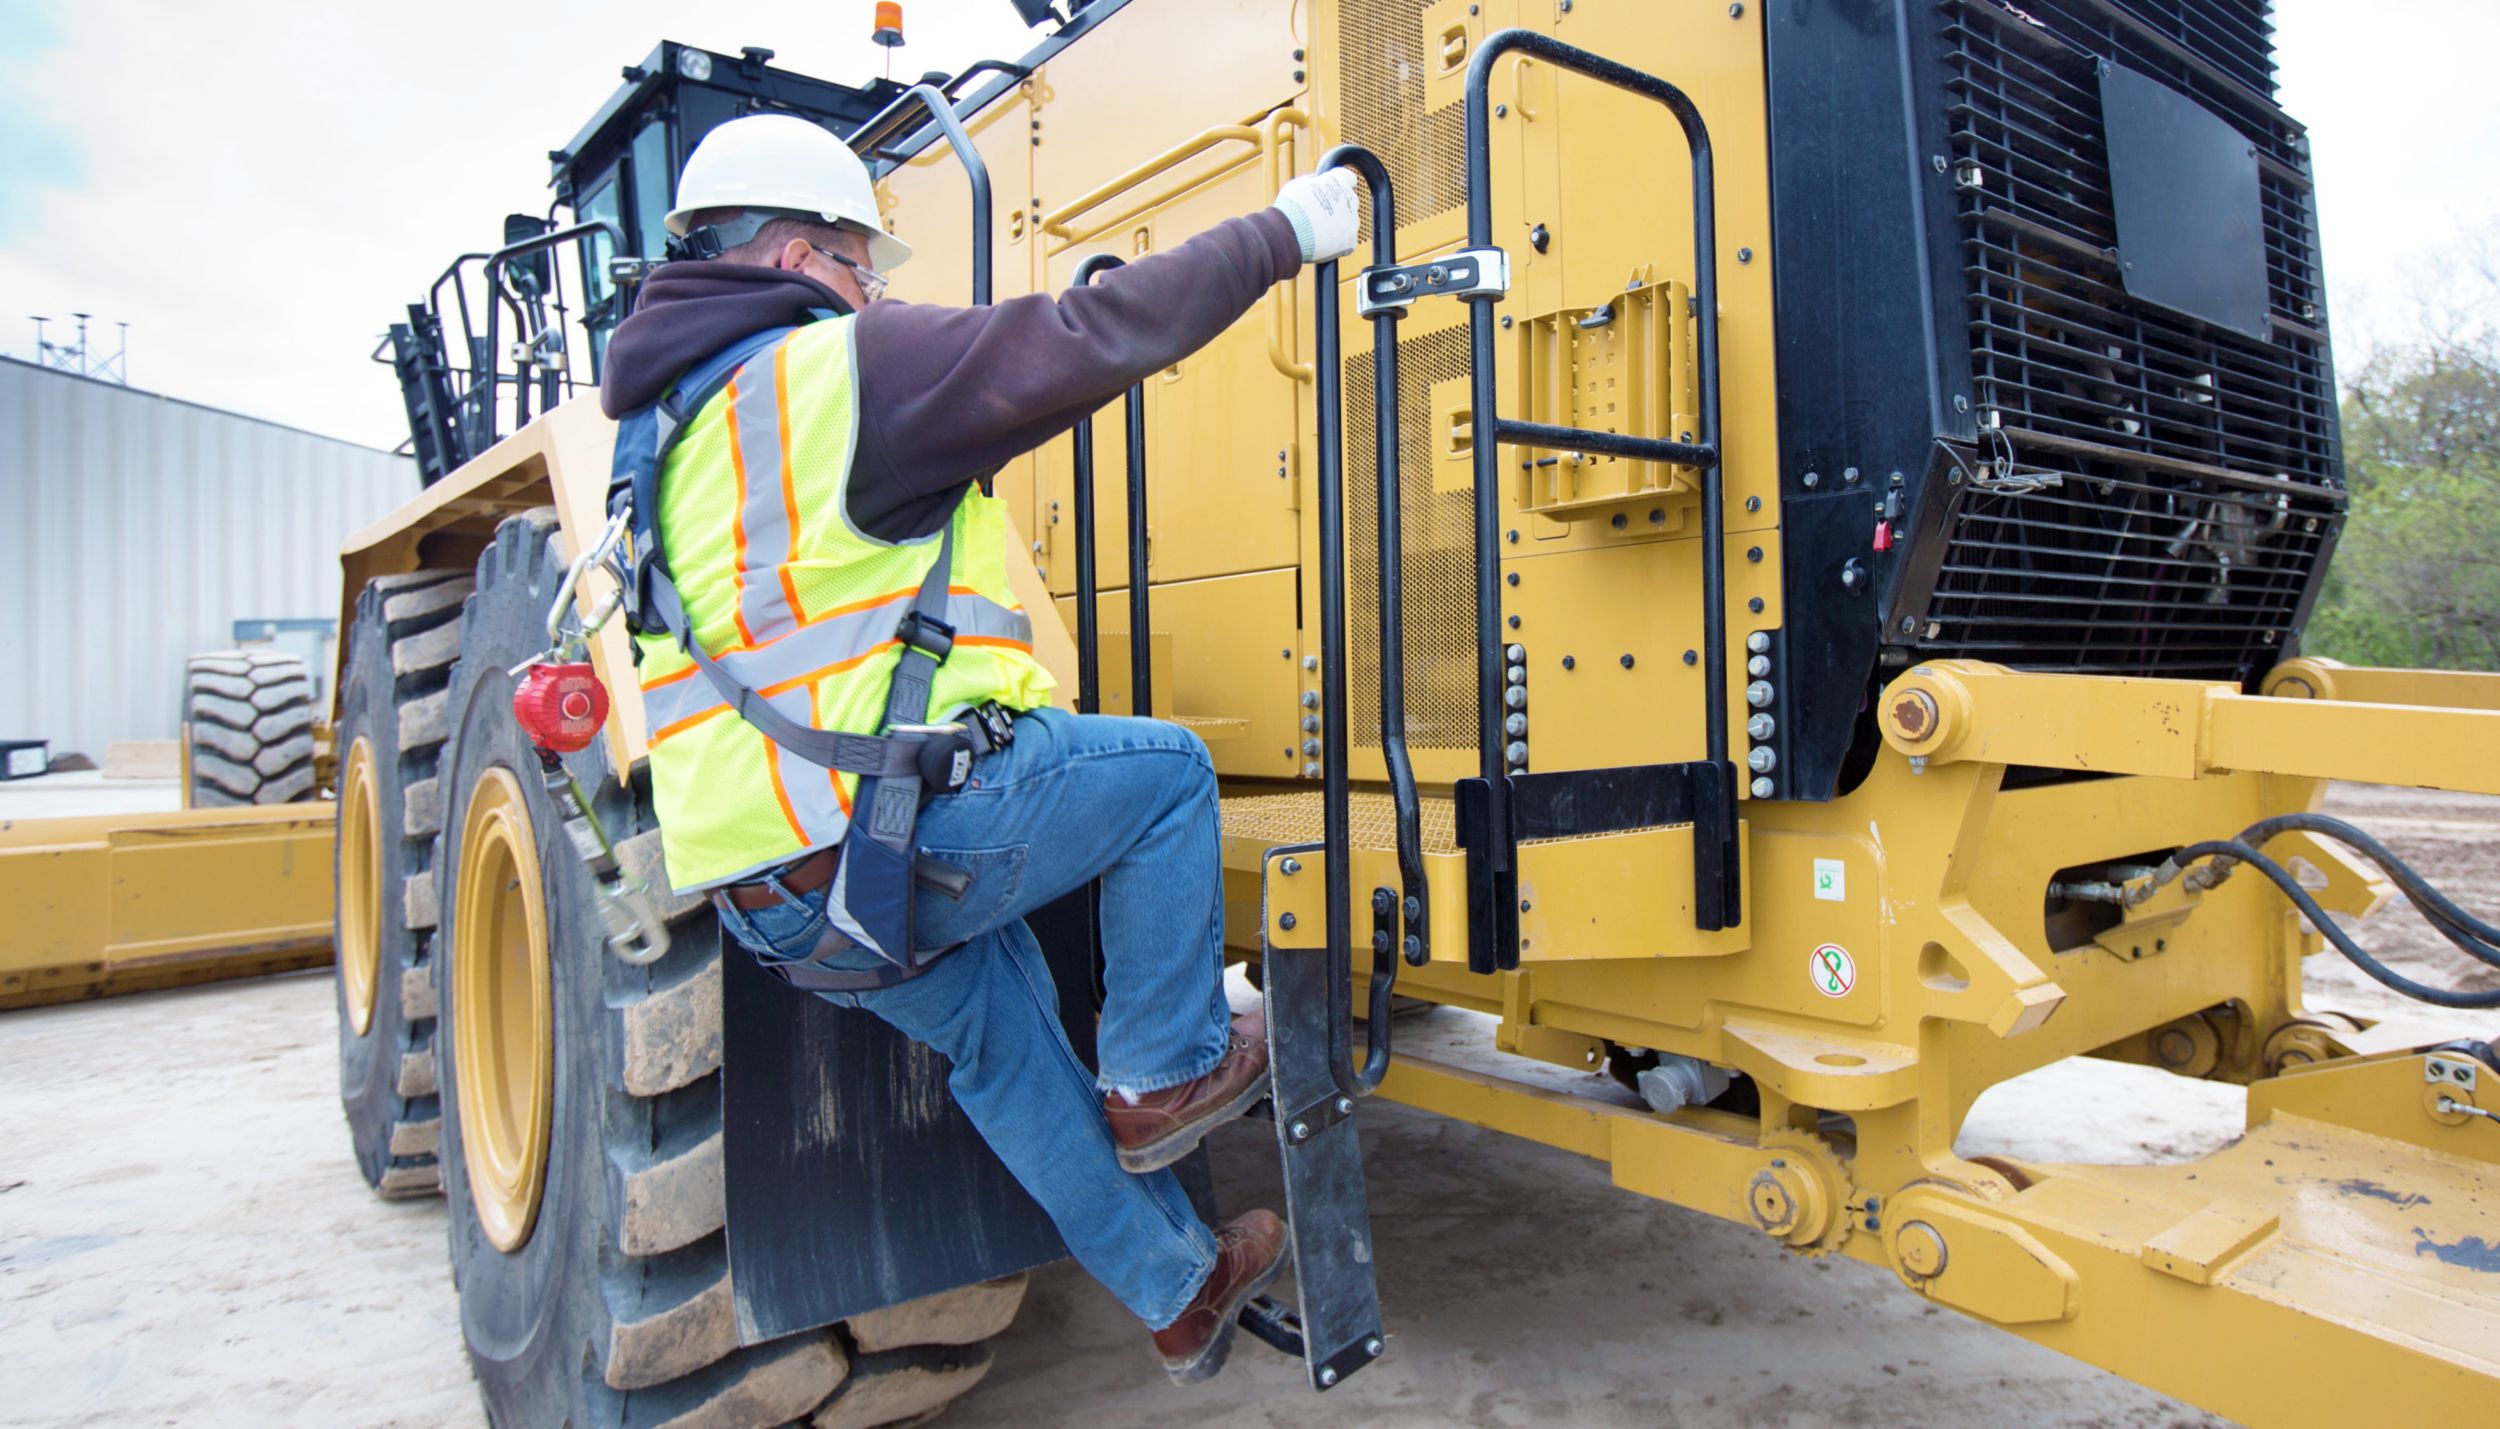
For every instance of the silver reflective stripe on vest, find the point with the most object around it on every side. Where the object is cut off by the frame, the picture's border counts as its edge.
(765, 538)
(814, 651)
(808, 786)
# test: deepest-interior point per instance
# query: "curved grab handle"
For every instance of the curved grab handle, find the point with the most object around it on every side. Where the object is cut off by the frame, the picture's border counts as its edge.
(888, 122)
(1391, 912)
(1060, 222)
(1283, 301)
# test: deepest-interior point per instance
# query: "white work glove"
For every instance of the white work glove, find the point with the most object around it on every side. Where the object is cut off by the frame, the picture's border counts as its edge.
(1326, 213)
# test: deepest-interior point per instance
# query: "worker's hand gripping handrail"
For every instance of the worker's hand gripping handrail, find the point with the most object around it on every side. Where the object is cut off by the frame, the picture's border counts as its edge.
(1493, 876)
(1081, 511)
(1391, 910)
(887, 122)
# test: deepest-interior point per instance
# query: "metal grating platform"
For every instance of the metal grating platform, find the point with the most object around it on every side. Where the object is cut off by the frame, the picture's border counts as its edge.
(1274, 819)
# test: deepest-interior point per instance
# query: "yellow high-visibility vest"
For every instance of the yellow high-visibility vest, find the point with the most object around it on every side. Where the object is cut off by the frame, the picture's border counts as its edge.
(794, 601)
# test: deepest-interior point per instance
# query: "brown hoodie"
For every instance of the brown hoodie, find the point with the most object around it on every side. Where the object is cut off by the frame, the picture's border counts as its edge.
(948, 395)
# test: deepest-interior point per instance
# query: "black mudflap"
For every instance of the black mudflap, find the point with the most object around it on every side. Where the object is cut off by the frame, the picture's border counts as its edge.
(1328, 1217)
(854, 1181)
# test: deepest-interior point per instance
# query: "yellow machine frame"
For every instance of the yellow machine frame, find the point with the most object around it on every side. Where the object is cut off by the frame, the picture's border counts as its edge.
(2351, 1223)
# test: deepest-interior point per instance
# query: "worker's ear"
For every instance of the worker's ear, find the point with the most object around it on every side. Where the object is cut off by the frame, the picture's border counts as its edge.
(793, 255)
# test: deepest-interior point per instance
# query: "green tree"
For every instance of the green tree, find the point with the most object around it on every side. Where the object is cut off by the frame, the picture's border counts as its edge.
(2416, 580)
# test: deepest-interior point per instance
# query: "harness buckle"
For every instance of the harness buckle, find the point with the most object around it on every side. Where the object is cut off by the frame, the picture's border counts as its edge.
(926, 633)
(998, 722)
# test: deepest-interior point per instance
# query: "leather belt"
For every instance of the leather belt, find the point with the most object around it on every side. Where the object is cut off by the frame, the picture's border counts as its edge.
(805, 876)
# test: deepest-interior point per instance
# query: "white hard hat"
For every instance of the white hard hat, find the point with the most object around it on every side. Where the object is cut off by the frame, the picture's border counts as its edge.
(780, 161)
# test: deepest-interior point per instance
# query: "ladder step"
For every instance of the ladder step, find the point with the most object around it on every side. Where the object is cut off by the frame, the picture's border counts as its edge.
(1327, 1214)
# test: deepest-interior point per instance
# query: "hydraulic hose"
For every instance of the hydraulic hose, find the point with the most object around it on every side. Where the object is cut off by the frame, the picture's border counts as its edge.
(2227, 852)
(2477, 937)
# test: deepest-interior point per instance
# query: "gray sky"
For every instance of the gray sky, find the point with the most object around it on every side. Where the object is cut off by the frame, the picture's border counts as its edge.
(256, 188)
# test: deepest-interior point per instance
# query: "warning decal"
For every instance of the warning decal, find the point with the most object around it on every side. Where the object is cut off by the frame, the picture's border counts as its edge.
(1834, 972)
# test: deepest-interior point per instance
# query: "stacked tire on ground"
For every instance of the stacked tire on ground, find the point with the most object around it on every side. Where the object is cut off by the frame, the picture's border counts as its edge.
(400, 651)
(251, 719)
(580, 1097)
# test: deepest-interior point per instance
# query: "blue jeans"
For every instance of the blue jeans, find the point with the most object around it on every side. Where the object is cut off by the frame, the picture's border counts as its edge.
(1131, 802)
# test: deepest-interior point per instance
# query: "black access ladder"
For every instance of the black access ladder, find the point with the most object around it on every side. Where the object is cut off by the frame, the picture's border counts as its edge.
(1333, 1320)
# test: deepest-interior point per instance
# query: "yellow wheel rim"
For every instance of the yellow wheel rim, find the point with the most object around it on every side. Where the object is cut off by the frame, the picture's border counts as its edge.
(503, 1013)
(360, 886)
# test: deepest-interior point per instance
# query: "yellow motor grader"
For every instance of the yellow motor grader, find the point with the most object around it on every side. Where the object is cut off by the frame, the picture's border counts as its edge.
(1777, 575)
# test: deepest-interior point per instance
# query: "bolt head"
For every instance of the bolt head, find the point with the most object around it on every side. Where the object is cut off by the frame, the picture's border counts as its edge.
(1289, 868)
(1327, 1377)
(1762, 787)
(1286, 921)
(1759, 693)
(1301, 1131)
(1759, 641)
(1372, 1345)
(1516, 654)
(1761, 726)
(1758, 666)
(1760, 759)
(1344, 1105)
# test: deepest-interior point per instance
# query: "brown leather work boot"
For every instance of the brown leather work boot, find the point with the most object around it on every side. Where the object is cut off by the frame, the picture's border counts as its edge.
(1250, 1250)
(1164, 1126)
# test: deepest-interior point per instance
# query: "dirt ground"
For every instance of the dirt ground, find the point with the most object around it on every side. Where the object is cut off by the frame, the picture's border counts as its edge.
(183, 1240)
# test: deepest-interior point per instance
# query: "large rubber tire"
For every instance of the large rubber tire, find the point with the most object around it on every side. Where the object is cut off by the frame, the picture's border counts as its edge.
(251, 718)
(400, 652)
(615, 1309)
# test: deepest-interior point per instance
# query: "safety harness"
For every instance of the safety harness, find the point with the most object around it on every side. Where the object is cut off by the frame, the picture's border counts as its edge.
(902, 766)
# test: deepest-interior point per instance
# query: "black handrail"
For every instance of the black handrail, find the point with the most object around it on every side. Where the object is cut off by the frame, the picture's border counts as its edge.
(1714, 830)
(494, 309)
(882, 125)
(1337, 816)
(1088, 639)
(1009, 68)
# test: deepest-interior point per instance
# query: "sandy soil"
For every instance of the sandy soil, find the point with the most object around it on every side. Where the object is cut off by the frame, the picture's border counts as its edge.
(183, 1240)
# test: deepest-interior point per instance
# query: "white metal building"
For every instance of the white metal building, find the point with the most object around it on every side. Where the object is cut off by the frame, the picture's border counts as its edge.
(136, 530)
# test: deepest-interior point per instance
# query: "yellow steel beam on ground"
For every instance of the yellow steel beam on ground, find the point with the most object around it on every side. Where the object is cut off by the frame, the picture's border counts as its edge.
(1964, 710)
(126, 902)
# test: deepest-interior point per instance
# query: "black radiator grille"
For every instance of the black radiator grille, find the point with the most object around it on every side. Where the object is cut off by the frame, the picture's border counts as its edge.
(2201, 478)
(2233, 38)
(2119, 571)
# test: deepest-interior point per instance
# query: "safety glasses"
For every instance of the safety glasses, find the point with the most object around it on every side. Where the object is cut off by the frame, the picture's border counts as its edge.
(871, 282)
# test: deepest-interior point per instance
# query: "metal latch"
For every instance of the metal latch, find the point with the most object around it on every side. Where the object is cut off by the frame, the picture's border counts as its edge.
(1475, 273)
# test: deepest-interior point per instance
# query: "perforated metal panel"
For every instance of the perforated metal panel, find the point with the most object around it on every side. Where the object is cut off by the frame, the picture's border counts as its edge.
(1273, 819)
(1381, 70)
(1439, 531)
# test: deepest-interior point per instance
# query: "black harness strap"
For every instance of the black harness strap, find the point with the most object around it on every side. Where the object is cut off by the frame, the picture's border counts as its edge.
(871, 897)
